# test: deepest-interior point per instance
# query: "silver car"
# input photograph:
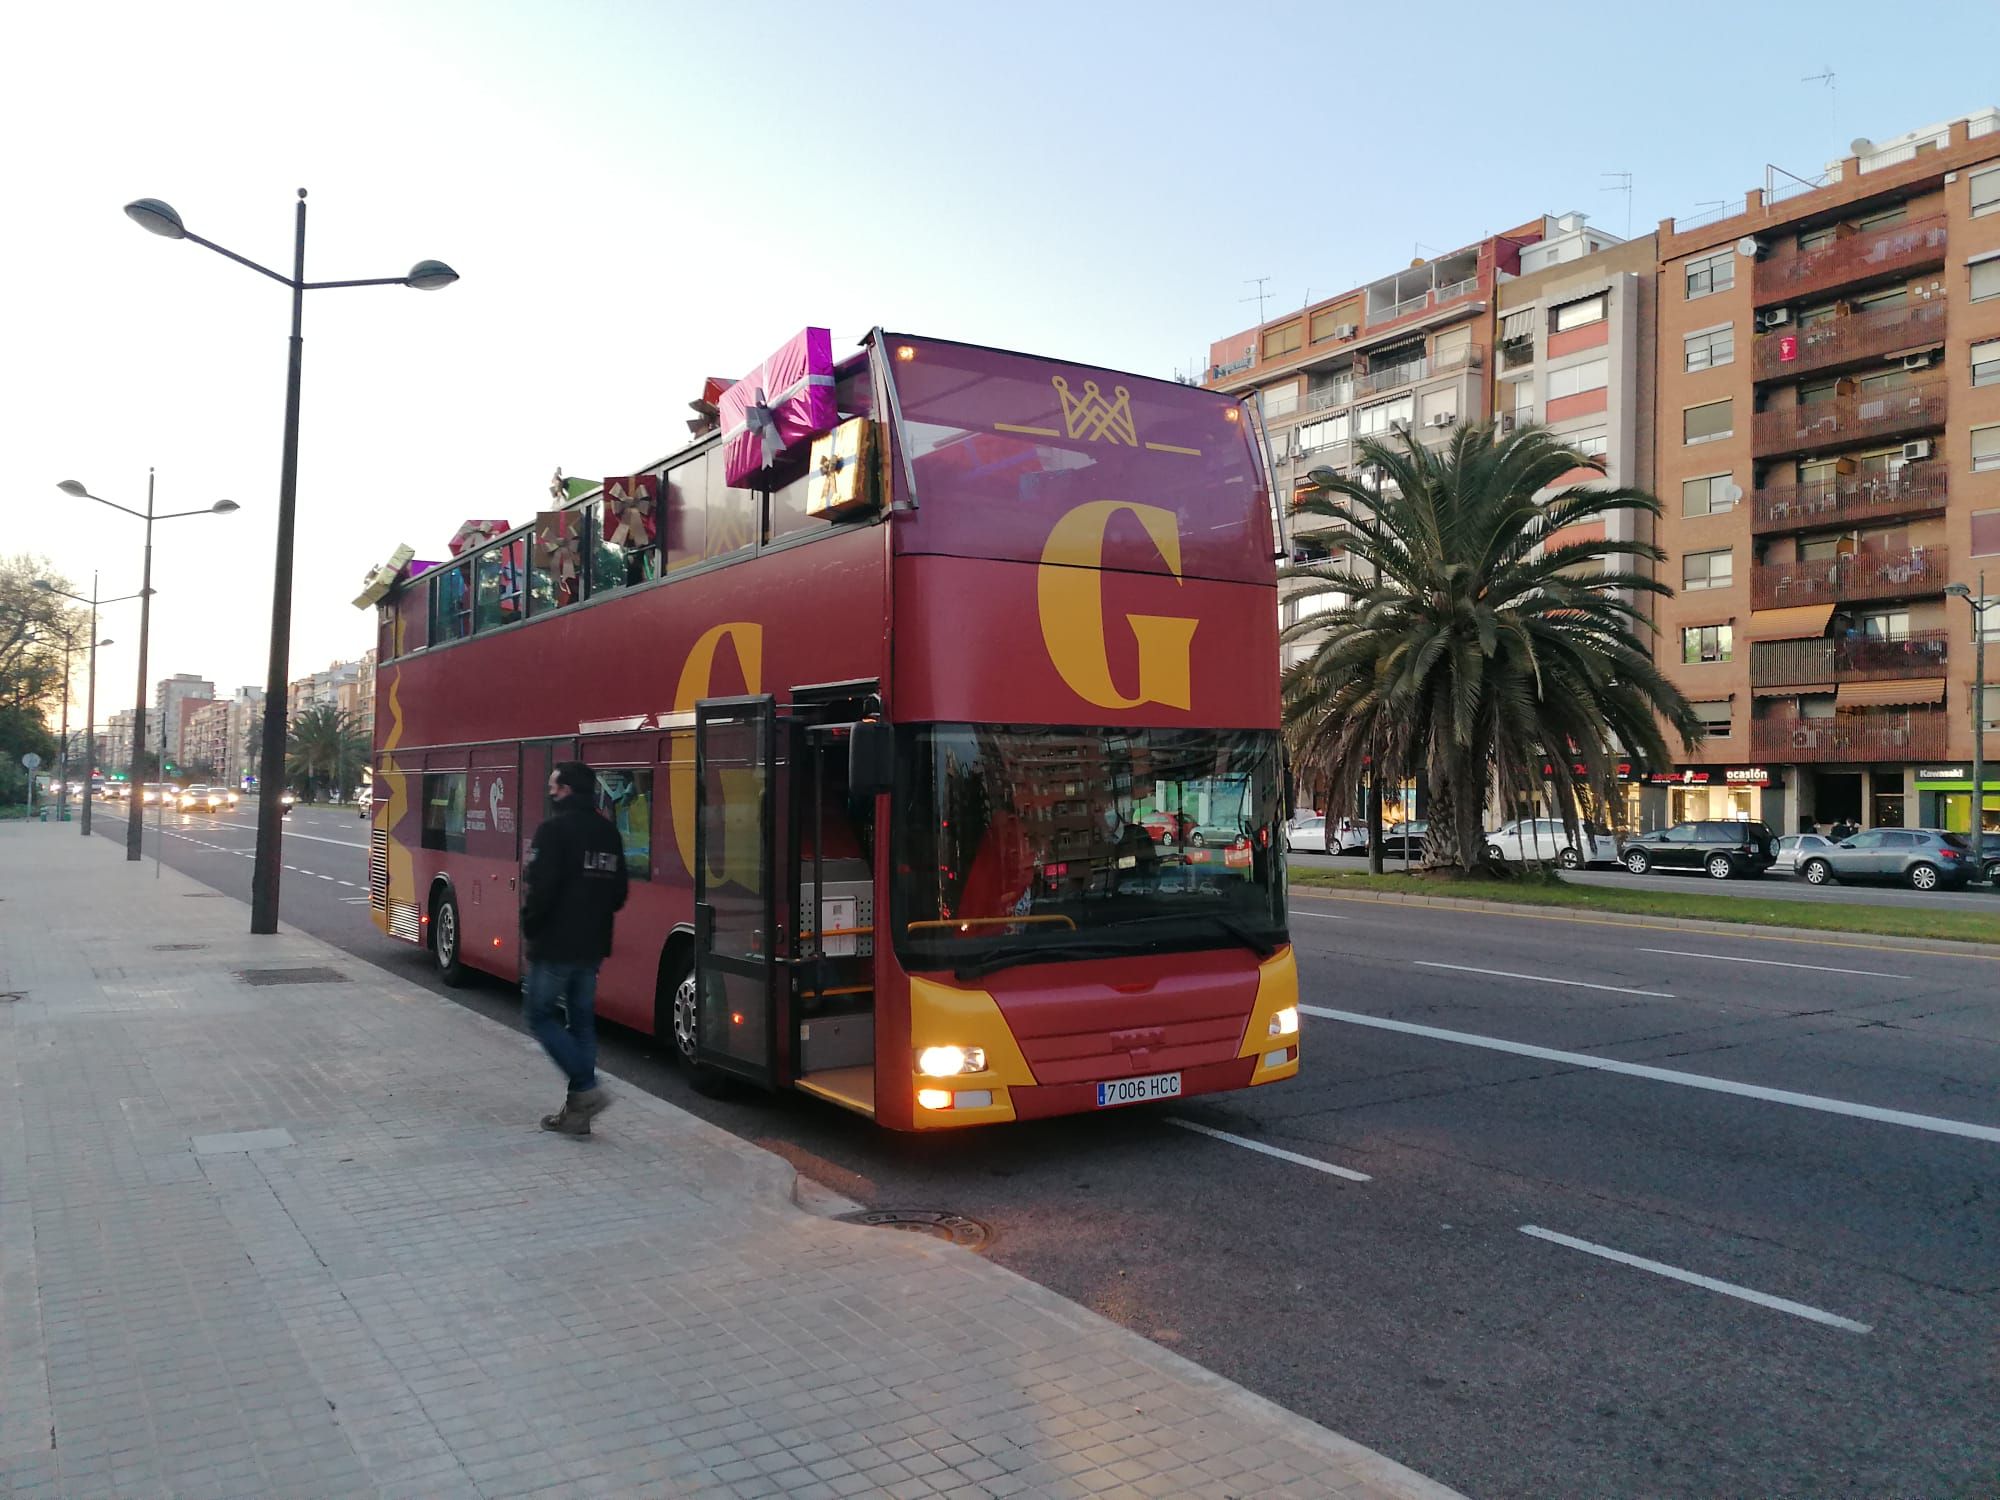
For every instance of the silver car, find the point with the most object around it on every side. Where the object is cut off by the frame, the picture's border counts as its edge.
(1922, 858)
(1794, 847)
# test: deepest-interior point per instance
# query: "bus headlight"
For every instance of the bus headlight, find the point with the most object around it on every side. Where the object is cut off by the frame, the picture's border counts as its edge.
(1285, 1022)
(934, 1098)
(949, 1062)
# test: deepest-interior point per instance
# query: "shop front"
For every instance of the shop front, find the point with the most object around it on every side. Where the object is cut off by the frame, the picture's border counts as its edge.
(1944, 798)
(1720, 793)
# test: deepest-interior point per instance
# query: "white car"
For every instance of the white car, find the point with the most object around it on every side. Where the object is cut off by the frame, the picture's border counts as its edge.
(1793, 849)
(1546, 841)
(1308, 835)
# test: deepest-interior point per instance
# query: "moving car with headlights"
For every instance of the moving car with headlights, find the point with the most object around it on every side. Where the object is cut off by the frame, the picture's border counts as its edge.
(1721, 849)
(155, 792)
(1924, 859)
(201, 798)
(1547, 841)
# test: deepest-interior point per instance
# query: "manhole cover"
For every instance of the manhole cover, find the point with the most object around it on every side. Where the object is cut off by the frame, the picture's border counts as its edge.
(178, 947)
(291, 976)
(946, 1226)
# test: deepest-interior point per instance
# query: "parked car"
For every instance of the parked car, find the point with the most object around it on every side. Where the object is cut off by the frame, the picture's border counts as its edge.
(1794, 847)
(1529, 840)
(1922, 858)
(1173, 828)
(1722, 849)
(1308, 835)
(1405, 840)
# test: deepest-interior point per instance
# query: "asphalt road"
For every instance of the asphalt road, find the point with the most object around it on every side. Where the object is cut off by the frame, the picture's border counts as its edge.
(1504, 1302)
(1771, 886)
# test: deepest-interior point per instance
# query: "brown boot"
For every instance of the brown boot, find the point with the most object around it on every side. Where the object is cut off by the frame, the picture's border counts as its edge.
(567, 1121)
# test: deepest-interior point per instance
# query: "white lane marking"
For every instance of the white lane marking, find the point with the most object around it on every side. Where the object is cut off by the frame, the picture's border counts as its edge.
(1577, 984)
(1278, 1151)
(1935, 1123)
(1323, 916)
(1772, 963)
(344, 843)
(1709, 1283)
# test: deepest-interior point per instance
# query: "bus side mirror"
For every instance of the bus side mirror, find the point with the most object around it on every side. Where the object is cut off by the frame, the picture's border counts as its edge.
(871, 758)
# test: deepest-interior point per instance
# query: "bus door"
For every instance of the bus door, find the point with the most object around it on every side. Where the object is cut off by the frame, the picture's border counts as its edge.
(833, 877)
(738, 963)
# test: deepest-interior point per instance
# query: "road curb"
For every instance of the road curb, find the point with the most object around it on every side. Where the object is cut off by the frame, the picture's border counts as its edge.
(1873, 940)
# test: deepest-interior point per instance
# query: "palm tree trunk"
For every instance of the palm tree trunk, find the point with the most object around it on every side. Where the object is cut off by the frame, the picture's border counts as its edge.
(1441, 836)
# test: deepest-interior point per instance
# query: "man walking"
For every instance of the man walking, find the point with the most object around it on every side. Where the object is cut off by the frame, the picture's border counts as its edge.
(575, 882)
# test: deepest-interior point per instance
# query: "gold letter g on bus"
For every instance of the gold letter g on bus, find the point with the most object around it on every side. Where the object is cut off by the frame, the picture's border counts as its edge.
(1069, 593)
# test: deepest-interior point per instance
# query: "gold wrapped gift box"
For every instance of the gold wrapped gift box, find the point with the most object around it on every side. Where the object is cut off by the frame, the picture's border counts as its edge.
(846, 477)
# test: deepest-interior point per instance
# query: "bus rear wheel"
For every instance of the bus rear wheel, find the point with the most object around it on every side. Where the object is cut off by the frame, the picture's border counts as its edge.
(447, 940)
(678, 1024)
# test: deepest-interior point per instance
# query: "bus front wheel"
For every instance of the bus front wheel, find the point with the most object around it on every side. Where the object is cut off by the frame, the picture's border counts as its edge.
(679, 1027)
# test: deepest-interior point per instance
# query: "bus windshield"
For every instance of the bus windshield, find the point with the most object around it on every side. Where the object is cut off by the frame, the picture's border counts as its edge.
(1025, 844)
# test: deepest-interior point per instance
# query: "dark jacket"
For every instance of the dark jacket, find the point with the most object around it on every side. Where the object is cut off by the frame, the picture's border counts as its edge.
(575, 881)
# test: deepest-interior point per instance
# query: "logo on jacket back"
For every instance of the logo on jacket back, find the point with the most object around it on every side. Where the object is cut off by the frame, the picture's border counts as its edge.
(601, 862)
(1069, 595)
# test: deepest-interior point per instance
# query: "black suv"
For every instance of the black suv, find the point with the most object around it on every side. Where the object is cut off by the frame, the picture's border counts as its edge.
(1722, 849)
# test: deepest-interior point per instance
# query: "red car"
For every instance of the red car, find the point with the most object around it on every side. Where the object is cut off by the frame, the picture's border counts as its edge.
(1173, 828)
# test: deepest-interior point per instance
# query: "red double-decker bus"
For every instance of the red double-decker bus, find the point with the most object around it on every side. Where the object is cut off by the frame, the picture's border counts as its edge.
(950, 788)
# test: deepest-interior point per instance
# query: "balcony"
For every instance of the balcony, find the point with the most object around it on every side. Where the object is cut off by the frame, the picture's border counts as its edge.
(1870, 734)
(1849, 419)
(1873, 253)
(1388, 378)
(1817, 662)
(1328, 398)
(1852, 579)
(1851, 500)
(1844, 340)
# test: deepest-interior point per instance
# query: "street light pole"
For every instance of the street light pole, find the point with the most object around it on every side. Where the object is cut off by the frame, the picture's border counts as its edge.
(1978, 820)
(135, 824)
(90, 704)
(156, 217)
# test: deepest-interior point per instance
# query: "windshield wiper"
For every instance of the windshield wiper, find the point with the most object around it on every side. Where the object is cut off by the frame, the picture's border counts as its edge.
(979, 968)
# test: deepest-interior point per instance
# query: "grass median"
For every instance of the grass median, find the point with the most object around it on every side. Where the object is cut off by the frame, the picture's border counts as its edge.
(1551, 891)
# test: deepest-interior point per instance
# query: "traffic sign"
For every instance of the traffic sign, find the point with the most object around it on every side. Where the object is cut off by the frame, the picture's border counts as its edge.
(31, 760)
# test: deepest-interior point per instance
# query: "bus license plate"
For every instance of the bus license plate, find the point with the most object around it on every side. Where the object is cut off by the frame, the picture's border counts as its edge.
(1139, 1090)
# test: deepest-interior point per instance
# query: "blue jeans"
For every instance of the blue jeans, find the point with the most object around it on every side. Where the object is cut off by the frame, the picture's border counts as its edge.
(572, 1042)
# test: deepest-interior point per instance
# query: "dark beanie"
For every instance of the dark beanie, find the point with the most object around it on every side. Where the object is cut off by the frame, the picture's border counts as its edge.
(578, 777)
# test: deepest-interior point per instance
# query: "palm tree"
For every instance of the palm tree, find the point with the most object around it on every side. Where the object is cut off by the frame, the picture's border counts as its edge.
(1469, 639)
(324, 746)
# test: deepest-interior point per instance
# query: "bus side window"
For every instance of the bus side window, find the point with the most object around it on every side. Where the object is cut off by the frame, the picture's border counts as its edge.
(626, 798)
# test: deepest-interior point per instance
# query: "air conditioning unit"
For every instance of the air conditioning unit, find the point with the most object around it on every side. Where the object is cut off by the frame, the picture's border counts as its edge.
(1777, 316)
(1443, 418)
(1345, 330)
(1919, 448)
(1919, 361)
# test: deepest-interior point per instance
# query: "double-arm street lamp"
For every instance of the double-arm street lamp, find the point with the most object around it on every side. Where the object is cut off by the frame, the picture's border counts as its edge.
(90, 703)
(134, 829)
(159, 218)
(1978, 828)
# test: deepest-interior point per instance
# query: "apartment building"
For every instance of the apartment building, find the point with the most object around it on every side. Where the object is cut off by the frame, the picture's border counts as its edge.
(205, 738)
(245, 723)
(168, 694)
(1412, 348)
(1828, 419)
(117, 750)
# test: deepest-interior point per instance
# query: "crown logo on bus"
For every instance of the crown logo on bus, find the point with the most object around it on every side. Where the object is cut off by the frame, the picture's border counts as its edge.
(1093, 418)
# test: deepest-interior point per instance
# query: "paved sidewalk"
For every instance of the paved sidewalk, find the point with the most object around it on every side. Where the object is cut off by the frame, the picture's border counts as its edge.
(302, 1238)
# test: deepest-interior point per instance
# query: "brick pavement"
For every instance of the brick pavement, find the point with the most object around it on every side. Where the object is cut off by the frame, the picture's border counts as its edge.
(305, 1239)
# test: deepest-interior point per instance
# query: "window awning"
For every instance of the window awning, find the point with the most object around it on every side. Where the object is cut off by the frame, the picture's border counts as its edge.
(1798, 623)
(1878, 694)
(1793, 690)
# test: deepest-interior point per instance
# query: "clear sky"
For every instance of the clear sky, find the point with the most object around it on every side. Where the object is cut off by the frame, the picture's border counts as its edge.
(638, 195)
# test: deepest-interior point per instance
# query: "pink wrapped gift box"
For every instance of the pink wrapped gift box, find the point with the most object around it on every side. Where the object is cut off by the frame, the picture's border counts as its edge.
(473, 534)
(785, 401)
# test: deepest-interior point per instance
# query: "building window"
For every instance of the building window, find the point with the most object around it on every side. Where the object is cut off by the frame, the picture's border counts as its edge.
(1989, 621)
(1577, 314)
(1712, 273)
(1700, 643)
(1710, 495)
(1704, 424)
(1711, 347)
(626, 799)
(1571, 380)
(1374, 421)
(1327, 323)
(1985, 448)
(1707, 570)
(1592, 442)
(1885, 625)
(1985, 279)
(1279, 342)
(1985, 532)
(1986, 363)
(1281, 400)
(1989, 708)
(1716, 716)
(1883, 218)
(1985, 190)
(1323, 434)
(1451, 348)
